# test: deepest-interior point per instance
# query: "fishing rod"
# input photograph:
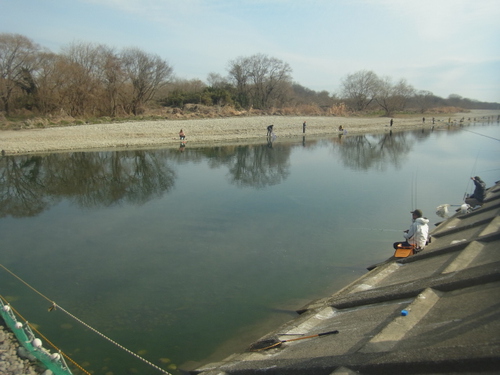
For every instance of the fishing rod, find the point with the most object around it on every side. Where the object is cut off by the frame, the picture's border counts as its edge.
(274, 342)
(379, 230)
(472, 172)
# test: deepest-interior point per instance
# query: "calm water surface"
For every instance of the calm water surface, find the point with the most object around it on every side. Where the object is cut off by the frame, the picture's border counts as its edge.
(180, 256)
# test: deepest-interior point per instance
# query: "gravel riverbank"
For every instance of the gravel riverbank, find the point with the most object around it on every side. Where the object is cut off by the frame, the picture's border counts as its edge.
(10, 361)
(206, 132)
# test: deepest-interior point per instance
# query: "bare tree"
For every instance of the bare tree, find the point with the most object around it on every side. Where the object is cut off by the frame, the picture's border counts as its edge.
(49, 83)
(217, 81)
(239, 75)
(393, 97)
(402, 92)
(260, 80)
(145, 73)
(113, 79)
(95, 78)
(360, 88)
(18, 60)
(424, 100)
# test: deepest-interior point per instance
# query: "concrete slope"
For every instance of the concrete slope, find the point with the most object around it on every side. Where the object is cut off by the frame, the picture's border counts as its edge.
(437, 312)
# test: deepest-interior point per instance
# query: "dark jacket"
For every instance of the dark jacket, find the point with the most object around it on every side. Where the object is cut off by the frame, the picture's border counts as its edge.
(479, 191)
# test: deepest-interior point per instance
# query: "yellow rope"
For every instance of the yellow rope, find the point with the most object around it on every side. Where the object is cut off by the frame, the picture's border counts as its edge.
(54, 306)
(45, 338)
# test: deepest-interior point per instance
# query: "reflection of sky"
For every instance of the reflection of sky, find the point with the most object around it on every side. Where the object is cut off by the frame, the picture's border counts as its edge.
(210, 253)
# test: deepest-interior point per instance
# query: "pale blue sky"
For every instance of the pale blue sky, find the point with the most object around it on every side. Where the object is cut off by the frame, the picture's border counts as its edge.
(444, 46)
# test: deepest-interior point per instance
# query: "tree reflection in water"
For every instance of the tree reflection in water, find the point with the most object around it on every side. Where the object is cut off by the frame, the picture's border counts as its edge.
(31, 184)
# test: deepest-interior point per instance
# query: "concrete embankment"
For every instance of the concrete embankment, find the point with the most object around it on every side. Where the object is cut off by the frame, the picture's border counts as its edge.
(436, 312)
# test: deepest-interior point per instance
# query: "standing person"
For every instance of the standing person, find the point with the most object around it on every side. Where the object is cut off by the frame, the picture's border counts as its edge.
(477, 198)
(304, 127)
(182, 135)
(392, 121)
(270, 130)
(418, 233)
(423, 120)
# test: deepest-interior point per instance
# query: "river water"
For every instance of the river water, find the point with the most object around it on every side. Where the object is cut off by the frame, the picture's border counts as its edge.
(184, 256)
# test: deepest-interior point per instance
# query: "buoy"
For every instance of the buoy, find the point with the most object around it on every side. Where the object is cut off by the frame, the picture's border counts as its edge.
(37, 343)
(19, 325)
(6, 308)
(55, 356)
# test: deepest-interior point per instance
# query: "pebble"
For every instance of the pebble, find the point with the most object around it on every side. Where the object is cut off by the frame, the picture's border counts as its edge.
(10, 362)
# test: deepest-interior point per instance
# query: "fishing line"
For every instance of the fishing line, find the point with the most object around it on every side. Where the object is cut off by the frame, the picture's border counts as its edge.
(490, 170)
(483, 135)
(411, 191)
(416, 188)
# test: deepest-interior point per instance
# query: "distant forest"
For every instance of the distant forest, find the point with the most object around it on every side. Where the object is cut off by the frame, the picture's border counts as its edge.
(90, 81)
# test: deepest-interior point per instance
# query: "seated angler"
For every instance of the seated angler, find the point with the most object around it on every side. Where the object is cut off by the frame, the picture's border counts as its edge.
(418, 233)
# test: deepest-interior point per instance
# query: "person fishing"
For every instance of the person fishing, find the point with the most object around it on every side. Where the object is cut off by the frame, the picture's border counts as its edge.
(477, 198)
(418, 233)
(270, 130)
(182, 135)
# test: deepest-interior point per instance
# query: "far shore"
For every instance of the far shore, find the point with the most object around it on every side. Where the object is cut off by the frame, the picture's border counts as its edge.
(212, 132)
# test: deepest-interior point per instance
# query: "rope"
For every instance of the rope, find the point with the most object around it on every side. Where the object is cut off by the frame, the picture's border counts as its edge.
(25, 283)
(54, 306)
(45, 338)
(113, 342)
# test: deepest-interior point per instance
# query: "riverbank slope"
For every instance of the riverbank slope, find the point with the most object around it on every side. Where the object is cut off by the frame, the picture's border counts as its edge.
(431, 313)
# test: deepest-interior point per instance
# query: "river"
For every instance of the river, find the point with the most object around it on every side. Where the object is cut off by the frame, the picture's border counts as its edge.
(185, 256)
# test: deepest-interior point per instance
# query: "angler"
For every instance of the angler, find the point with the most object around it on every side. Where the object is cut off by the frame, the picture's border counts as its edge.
(417, 235)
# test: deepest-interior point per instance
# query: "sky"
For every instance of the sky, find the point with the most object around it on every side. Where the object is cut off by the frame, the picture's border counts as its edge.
(443, 46)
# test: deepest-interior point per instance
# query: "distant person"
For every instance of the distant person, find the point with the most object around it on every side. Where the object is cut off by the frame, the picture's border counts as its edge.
(418, 233)
(304, 127)
(477, 198)
(270, 130)
(423, 120)
(341, 128)
(392, 121)
(182, 135)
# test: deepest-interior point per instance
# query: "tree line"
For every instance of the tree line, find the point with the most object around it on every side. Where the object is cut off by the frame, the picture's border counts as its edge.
(93, 80)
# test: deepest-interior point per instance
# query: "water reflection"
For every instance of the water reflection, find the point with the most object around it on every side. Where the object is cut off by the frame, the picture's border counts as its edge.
(364, 152)
(31, 184)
